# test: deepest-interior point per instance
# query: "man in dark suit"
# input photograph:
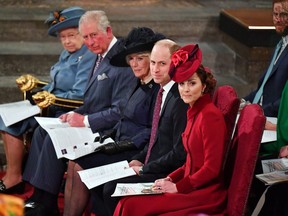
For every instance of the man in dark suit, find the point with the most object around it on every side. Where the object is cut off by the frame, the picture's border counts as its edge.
(104, 98)
(269, 91)
(166, 152)
(272, 82)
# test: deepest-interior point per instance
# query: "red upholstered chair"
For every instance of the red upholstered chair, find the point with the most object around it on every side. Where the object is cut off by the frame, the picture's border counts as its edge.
(226, 99)
(242, 158)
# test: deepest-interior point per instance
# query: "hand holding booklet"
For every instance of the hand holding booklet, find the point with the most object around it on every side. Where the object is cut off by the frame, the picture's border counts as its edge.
(12, 113)
(70, 142)
(99, 175)
(129, 189)
(274, 170)
(269, 135)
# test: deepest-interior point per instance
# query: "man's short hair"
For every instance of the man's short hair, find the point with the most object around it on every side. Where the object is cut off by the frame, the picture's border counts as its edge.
(277, 1)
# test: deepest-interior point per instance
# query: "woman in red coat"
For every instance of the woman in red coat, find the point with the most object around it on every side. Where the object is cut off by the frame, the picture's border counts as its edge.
(198, 185)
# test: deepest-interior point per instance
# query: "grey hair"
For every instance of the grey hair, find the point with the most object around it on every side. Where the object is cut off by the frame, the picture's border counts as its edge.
(97, 16)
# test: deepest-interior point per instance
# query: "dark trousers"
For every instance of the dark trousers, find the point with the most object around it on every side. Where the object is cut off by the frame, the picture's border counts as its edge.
(257, 186)
(276, 201)
(43, 169)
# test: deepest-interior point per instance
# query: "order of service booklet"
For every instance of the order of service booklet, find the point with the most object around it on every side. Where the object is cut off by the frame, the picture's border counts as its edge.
(70, 142)
(14, 112)
(99, 175)
(130, 189)
(268, 135)
(274, 170)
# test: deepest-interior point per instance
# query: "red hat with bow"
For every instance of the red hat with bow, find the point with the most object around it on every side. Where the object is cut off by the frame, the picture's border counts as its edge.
(185, 62)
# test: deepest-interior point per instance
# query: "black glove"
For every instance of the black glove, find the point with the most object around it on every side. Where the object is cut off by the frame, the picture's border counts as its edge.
(101, 138)
(105, 135)
(116, 147)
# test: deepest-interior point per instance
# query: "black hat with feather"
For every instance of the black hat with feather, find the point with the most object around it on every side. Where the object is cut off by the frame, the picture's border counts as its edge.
(139, 39)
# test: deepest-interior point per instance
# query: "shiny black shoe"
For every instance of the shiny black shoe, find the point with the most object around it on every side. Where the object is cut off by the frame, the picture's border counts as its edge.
(16, 189)
(37, 209)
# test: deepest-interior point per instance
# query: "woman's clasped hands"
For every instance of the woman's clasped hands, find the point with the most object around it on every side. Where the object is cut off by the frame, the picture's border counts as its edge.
(164, 185)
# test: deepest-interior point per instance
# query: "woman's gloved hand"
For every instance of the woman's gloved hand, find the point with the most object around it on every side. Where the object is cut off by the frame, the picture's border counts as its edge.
(116, 147)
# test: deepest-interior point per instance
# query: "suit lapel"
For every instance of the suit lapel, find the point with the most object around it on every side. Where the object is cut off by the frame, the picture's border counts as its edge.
(104, 64)
(102, 67)
(168, 98)
(282, 56)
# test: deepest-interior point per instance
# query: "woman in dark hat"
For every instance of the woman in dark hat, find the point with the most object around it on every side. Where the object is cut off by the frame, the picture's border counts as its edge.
(132, 132)
(197, 186)
(68, 80)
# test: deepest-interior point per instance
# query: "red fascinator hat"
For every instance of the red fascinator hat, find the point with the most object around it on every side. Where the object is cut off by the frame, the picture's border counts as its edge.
(185, 62)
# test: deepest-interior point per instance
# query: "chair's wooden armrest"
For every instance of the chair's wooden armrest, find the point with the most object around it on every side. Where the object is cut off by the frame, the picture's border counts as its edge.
(44, 99)
(69, 103)
(61, 102)
(27, 83)
(41, 84)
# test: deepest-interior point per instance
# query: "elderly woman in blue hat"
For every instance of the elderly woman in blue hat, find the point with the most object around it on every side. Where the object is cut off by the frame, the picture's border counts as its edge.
(68, 80)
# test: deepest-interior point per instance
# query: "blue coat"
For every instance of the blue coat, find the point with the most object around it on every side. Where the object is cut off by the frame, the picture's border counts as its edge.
(68, 80)
(68, 77)
(136, 122)
(274, 86)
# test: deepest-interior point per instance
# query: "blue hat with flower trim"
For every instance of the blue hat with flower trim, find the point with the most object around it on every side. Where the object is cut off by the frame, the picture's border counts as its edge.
(67, 18)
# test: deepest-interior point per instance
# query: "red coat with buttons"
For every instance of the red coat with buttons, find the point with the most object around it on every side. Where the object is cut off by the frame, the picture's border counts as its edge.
(200, 180)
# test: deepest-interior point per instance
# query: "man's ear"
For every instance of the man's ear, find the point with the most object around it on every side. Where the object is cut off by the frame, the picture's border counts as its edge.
(109, 32)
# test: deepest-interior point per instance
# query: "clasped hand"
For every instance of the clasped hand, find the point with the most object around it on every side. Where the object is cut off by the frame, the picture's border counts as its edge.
(164, 185)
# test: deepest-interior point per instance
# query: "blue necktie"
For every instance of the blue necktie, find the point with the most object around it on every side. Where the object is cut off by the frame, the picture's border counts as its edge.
(269, 70)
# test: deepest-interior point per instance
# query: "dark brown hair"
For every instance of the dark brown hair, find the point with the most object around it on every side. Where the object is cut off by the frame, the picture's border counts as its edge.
(207, 79)
(277, 1)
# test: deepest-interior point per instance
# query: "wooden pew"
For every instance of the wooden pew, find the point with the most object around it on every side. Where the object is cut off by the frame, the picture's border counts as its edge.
(252, 27)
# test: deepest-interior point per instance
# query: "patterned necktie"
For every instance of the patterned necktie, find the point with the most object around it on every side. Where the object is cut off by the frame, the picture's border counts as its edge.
(99, 60)
(269, 70)
(156, 117)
